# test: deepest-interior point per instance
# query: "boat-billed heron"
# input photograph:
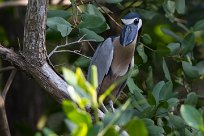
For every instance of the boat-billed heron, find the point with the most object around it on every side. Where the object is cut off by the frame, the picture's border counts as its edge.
(115, 56)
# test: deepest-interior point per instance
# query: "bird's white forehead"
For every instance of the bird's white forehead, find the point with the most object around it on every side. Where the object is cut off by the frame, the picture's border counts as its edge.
(130, 21)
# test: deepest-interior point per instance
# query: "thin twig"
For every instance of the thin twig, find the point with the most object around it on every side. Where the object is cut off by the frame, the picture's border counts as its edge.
(65, 45)
(6, 69)
(75, 52)
(8, 83)
(108, 15)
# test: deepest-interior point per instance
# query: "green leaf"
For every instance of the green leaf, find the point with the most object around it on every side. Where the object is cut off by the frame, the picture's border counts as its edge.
(166, 91)
(157, 89)
(59, 24)
(151, 99)
(191, 116)
(48, 132)
(199, 25)
(90, 35)
(76, 115)
(93, 10)
(94, 76)
(146, 39)
(58, 13)
(180, 6)
(166, 70)
(149, 81)
(174, 48)
(132, 86)
(188, 43)
(140, 50)
(190, 71)
(111, 132)
(69, 76)
(172, 34)
(81, 130)
(82, 62)
(98, 25)
(140, 101)
(200, 67)
(155, 130)
(176, 121)
(163, 50)
(136, 127)
(146, 14)
(170, 6)
(191, 99)
(113, 1)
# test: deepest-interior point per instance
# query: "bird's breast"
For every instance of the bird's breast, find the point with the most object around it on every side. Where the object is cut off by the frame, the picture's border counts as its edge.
(122, 58)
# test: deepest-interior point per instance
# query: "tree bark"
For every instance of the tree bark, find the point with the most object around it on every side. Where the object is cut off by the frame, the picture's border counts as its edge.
(4, 129)
(33, 59)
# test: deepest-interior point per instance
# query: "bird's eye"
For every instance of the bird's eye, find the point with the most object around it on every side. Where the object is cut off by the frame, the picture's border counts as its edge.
(136, 21)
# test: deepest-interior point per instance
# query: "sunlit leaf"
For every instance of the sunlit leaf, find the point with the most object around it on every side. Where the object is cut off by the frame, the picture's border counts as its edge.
(191, 116)
(76, 115)
(136, 127)
(69, 76)
(81, 130)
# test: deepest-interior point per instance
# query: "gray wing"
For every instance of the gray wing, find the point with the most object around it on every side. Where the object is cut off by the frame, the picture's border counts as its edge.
(102, 59)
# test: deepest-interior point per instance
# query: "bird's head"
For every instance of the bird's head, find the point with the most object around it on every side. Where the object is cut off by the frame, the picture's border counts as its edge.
(132, 24)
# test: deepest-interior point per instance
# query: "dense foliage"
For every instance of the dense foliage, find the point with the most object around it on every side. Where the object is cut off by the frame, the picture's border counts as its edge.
(164, 90)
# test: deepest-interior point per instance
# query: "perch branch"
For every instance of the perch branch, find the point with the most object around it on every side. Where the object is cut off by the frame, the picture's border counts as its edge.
(8, 84)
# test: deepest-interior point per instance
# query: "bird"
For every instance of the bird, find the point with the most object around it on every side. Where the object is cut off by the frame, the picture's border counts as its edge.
(115, 56)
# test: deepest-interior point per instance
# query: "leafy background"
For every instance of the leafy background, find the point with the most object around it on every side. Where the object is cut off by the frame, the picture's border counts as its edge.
(164, 92)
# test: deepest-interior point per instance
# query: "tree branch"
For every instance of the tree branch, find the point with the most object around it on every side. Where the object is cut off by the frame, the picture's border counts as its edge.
(44, 75)
(34, 32)
(8, 84)
(4, 127)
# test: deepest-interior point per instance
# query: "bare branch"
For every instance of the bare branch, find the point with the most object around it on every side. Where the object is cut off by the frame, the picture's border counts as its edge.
(7, 69)
(34, 32)
(4, 127)
(44, 75)
(71, 43)
(8, 84)
(75, 52)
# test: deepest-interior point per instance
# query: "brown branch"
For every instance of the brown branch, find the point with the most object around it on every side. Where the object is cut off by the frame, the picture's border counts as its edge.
(7, 69)
(8, 84)
(34, 32)
(4, 127)
(44, 75)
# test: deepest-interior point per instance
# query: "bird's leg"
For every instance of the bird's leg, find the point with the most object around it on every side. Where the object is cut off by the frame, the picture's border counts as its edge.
(104, 108)
(111, 105)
